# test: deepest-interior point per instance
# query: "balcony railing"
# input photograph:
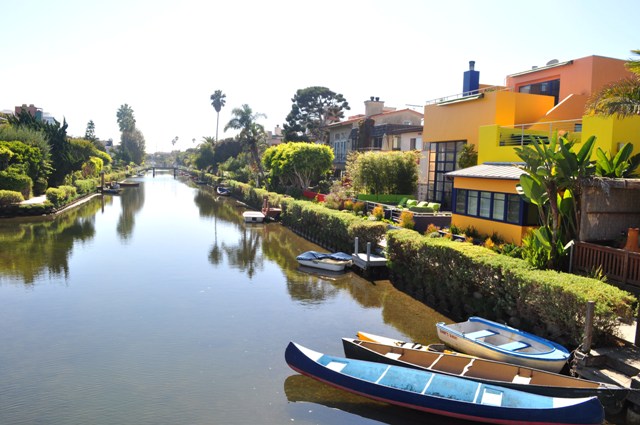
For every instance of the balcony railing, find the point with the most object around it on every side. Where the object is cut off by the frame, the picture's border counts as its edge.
(617, 264)
(523, 134)
(464, 96)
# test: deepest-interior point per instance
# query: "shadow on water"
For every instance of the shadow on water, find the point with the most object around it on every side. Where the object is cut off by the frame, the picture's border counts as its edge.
(300, 388)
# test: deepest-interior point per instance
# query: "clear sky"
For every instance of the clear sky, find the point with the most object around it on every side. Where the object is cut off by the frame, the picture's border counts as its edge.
(82, 59)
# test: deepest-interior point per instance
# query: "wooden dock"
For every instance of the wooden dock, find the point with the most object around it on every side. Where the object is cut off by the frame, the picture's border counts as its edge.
(367, 260)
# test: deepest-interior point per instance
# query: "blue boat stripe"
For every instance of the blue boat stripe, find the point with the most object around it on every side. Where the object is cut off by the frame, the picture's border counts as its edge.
(428, 383)
(383, 373)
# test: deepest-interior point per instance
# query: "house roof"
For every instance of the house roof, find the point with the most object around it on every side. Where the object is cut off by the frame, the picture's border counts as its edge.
(490, 170)
(356, 118)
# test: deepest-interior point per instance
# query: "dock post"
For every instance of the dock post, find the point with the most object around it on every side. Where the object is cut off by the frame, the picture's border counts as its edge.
(588, 327)
(368, 252)
(356, 247)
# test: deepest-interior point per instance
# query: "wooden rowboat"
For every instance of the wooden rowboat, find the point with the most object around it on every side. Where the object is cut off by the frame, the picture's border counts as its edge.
(441, 394)
(487, 371)
(438, 347)
(484, 338)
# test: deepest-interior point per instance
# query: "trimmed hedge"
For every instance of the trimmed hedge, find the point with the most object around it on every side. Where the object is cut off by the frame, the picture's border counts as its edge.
(10, 197)
(61, 195)
(465, 280)
(86, 186)
(10, 180)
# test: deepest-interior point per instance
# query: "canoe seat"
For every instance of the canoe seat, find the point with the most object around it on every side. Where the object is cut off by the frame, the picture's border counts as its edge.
(479, 334)
(394, 356)
(514, 346)
(519, 379)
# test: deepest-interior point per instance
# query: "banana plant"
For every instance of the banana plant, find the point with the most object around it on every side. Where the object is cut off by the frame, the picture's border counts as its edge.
(552, 183)
(615, 167)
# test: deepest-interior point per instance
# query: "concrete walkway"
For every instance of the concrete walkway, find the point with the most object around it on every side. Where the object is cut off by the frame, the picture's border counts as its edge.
(35, 200)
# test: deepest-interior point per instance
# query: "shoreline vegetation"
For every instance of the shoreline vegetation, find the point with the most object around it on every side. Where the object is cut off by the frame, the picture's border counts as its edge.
(459, 279)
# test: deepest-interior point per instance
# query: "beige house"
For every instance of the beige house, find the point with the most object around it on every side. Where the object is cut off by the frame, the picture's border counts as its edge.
(387, 129)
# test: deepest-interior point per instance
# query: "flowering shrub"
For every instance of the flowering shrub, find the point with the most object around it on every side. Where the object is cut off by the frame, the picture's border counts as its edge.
(378, 212)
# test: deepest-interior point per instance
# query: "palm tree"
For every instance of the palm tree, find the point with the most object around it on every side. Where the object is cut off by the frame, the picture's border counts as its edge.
(217, 101)
(620, 98)
(251, 133)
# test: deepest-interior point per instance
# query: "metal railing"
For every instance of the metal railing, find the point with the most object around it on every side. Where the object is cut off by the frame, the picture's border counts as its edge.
(523, 134)
(461, 96)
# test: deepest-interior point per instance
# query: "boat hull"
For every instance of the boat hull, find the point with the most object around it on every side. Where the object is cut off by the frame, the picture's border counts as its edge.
(441, 394)
(253, 217)
(334, 266)
(487, 371)
(491, 340)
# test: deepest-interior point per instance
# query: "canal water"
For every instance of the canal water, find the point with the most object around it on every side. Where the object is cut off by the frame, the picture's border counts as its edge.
(160, 306)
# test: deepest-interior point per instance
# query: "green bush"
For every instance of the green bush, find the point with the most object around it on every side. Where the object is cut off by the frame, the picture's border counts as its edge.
(56, 196)
(330, 227)
(9, 197)
(17, 182)
(483, 283)
(367, 231)
(61, 195)
(86, 186)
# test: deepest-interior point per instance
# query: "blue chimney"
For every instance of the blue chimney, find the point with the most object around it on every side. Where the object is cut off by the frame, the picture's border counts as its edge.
(471, 80)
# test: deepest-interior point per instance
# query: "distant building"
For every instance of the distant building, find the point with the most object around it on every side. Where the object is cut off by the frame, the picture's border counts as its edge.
(275, 137)
(389, 129)
(35, 112)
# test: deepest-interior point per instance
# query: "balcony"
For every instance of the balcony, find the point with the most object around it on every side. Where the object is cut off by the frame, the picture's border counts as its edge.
(523, 134)
(496, 143)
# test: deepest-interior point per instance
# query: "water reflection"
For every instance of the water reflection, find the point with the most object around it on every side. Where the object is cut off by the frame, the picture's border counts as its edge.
(300, 388)
(40, 246)
(132, 201)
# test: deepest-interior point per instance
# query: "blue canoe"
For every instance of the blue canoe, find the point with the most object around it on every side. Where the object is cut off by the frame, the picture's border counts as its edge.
(442, 394)
(490, 340)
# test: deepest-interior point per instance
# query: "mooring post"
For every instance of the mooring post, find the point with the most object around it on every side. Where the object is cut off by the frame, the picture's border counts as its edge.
(356, 247)
(588, 327)
(368, 252)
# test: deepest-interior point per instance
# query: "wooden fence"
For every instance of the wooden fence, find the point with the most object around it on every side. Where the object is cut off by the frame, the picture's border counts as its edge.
(617, 264)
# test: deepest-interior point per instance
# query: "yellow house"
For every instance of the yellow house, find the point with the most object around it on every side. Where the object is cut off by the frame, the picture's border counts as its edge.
(535, 103)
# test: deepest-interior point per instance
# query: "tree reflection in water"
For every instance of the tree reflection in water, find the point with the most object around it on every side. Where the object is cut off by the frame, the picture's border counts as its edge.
(35, 246)
(132, 201)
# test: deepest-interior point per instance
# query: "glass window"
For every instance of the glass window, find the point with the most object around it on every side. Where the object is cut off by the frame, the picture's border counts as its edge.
(513, 209)
(461, 201)
(472, 203)
(485, 204)
(498, 206)
(412, 143)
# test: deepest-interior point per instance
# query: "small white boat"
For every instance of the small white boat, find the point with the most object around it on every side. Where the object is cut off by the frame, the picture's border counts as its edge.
(490, 340)
(334, 262)
(253, 217)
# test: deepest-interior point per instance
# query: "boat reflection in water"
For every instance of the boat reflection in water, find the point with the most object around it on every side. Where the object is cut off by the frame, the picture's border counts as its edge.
(300, 388)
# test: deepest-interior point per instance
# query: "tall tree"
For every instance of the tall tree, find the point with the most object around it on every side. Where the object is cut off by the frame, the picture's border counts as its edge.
(132, 143)
(313, 109)
(218, 101)
(90, 132)
(251, 133)
(126, 120)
